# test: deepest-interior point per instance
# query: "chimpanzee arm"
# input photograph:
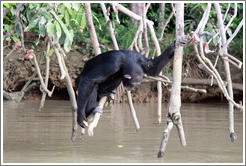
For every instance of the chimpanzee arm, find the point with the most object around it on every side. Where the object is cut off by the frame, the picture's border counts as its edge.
(153, 67)
(85, 89)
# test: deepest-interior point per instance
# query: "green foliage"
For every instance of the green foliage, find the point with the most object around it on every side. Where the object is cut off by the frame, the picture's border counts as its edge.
(55, 19)
(9, 21)
(66, 23)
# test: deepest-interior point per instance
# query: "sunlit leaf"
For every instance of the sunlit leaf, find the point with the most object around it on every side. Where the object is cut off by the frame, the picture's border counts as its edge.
(51, 51)
(6, 5)
(229, 32)
(32, 24)
(42, 26)
(76, 6)
(46, 15)
(83, 21)
(37, 41)
(51, 29)
(68, 5)
(58, 30)
(66, 16)
(42, 30)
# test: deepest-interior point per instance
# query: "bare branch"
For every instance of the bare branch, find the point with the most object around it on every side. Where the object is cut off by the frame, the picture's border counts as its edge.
(194, 89)
(140, 28)
(234, 33)
(226, 12)
(166, 23)
(130, 13)
(227, 69)
(91, 28)
(116, 13)
(108, 22)
(204, 20)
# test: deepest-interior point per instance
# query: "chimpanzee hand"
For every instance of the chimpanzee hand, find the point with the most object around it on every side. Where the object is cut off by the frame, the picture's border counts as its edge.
(183, 41)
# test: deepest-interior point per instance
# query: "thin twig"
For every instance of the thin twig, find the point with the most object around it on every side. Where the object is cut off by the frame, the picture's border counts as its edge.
(110, 27)
(6, 57)
(5, 11)
(166, 23)
(18, 22)
(8, 34)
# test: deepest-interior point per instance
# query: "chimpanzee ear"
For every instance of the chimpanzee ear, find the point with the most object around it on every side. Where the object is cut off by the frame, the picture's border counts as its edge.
(127, 76)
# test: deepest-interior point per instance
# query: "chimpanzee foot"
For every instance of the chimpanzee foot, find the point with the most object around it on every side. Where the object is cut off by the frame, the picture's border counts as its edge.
(98, 109)
(83, 124)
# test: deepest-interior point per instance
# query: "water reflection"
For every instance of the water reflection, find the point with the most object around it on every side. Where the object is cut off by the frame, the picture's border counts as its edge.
(30, 136)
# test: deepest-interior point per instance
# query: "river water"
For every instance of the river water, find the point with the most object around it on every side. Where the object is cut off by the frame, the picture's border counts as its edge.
(30, 136)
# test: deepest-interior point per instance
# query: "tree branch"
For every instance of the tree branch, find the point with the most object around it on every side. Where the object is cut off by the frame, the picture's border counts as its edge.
(91, 28)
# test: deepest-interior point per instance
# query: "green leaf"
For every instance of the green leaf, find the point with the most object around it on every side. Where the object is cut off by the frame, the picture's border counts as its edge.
(6, 5)
(68, 5)
(68, 44)
(7, 18)
(32, 24)
(37, 41)
(66, 16)
(51, 51)
(76, 6)
(42, 30)
(17, 30)
(42, 20)
(15, 38)
(68, 41)
(42, 26)
(51, 29)
(46, 15)
(68, 33)
(31, 6)
(75, 21)
(83, 21)
(58, 30)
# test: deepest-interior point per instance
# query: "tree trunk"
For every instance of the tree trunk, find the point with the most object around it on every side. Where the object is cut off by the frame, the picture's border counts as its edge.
(138, 9)
(174, 116)
(227, 71)
(161, 16)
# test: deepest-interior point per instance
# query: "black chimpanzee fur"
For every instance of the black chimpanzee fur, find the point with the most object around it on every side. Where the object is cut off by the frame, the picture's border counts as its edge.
(103, 73)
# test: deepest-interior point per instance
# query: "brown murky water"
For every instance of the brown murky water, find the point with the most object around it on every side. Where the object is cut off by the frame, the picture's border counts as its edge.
(30, 136)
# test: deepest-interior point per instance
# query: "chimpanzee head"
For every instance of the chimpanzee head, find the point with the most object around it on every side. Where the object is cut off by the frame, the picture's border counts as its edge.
(132, 77)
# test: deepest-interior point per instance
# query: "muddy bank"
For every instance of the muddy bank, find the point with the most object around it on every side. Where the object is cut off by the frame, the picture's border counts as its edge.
(17, 71)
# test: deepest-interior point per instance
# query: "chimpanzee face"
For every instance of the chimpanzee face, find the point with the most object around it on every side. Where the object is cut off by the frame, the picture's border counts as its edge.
(130, 80)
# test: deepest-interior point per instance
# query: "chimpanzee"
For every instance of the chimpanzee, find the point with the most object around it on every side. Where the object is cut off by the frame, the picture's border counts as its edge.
(103, 73)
